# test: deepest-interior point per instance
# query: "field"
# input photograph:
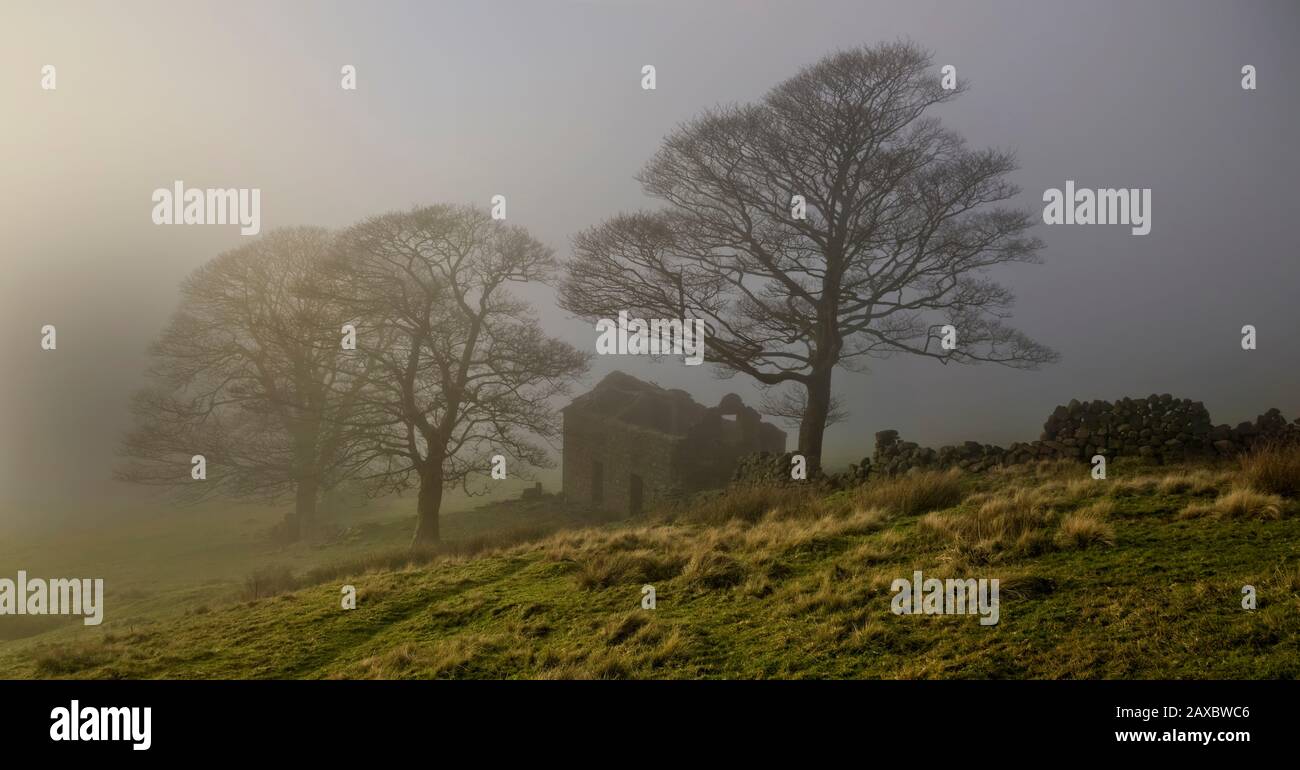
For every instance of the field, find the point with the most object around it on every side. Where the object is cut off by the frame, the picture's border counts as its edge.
(1139, 575)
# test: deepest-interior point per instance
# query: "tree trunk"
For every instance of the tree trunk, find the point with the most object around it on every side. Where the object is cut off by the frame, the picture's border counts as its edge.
(304, 509)
(428, 506)
(307, 479)
(812, 427)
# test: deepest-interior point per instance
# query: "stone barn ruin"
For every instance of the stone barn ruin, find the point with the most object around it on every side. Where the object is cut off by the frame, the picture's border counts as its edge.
(628, 443)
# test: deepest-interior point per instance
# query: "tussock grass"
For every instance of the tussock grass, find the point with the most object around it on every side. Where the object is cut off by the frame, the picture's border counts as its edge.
(625, 627)
(632, 645)
(706, 557)
(998, 522)
(1040, 471)
(1238, 503)
(748, 502)
(913, 493)
(1080, 489)
(774, 534)
(1087, 527)
(602, 558)
(1139, 486)
(828, 591)
(712, 568)
(1194, 482)
(599, 570)
(885, 547)
(1273, 469)
(1285, 580)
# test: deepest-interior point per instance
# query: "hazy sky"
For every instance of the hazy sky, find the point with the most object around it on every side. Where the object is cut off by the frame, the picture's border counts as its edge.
(541, 101)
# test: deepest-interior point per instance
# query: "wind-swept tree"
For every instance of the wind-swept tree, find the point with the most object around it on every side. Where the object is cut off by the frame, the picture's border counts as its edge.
(462, 370)
(248, 374)
(830, 222)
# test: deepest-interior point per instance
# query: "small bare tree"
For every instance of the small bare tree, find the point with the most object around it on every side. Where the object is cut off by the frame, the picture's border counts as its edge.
(248, 375)
(462, 370)
(830, 222)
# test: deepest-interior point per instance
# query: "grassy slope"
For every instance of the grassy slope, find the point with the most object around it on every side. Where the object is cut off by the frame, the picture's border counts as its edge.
(801, 593)
(159, 562)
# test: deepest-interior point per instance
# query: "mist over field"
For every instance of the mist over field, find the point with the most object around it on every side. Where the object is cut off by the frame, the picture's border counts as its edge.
(649, 340)
(539, 101)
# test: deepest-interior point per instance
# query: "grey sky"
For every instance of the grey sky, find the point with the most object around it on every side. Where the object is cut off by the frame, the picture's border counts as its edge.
(541, 101)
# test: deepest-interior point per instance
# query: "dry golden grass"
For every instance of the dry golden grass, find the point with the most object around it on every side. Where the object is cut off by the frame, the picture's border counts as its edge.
(712, 568)
(827, 591)
(1273, 470)
(912, 493)
(1131, 487)
(440, 659)
(1077, 488)
(1238, 503)
(1040, 471)
(1194, 482)
(573, 545)
(1285, 579)
(1017, 519)
(601, 570)
(776, 534)
(706, 556)
(749, 502)
(625, 626)
(1087, 526)
(1084, 488)
(886, 546)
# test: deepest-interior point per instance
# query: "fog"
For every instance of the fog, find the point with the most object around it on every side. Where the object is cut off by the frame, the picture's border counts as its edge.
(541, 102)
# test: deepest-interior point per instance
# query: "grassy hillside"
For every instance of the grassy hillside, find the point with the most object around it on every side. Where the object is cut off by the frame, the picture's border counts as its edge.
(159, 561)
(1139, 575)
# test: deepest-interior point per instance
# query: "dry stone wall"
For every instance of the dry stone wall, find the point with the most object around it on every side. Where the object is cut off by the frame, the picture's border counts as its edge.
(1159, 427)
(774, 468)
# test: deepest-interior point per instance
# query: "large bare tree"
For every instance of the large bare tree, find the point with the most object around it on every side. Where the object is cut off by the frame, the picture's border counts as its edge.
(462, 369)
(248, 374)
(898, 227)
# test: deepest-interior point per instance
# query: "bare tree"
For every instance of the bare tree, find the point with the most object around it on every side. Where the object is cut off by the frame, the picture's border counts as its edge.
(462, 368)
(890, 239)
(248, 375)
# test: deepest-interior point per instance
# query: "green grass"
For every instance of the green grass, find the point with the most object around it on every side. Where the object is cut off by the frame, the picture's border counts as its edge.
(159, 562)
(1102, 579)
